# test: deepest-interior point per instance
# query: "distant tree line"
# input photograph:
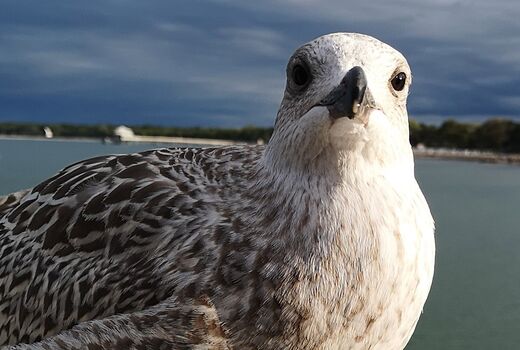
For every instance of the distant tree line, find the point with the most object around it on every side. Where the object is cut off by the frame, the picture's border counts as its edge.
(499, 135)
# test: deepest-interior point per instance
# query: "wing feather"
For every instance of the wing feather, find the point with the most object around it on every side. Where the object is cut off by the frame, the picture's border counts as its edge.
(95, 239)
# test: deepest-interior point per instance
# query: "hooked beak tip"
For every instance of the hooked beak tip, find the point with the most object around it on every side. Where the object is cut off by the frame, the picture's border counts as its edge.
(346, 99)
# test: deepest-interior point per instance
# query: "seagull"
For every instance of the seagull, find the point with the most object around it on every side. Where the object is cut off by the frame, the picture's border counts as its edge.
(320, 240)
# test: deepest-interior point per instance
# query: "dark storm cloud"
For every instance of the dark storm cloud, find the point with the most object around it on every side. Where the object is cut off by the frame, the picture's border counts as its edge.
(223, 62)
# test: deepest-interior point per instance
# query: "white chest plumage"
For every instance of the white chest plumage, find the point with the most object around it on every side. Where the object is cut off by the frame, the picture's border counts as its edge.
(374, 271)
(399, 262)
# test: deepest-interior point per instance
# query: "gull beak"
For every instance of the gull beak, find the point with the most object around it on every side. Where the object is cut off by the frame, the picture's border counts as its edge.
(350, 98)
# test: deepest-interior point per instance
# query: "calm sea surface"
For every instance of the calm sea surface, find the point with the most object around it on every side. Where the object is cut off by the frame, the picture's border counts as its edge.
(475, 298)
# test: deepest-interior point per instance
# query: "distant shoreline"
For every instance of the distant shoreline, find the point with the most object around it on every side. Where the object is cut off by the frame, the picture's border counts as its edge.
(431, 153)
(468, 155)
(133, 139)
(43, 138)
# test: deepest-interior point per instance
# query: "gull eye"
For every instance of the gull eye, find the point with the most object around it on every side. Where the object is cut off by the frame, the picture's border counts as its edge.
(398, 82)
(300, 75)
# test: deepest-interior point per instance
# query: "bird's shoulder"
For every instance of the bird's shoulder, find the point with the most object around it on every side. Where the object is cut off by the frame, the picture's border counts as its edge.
(136, 193)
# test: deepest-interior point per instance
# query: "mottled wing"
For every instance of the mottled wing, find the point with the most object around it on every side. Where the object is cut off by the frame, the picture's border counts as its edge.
(106, 236)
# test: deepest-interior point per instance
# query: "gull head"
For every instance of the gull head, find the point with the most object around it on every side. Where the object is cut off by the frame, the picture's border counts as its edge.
(345, 100)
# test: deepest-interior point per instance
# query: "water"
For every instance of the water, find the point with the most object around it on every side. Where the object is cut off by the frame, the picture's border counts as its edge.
(475, 298)
(25, 163)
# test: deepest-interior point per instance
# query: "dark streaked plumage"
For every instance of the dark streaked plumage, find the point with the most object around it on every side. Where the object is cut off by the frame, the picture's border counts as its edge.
(103, 237)
(320, 240)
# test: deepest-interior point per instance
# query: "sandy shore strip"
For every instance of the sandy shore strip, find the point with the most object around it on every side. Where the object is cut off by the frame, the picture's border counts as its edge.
(184, 141)
(467, 155)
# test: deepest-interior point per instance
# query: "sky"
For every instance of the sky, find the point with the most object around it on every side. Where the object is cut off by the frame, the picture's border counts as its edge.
(222, 63)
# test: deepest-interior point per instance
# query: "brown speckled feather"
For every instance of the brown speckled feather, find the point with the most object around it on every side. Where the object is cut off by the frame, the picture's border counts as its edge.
(93, 241)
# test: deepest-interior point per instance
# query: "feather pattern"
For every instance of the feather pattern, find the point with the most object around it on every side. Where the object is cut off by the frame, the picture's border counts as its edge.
(92, 241)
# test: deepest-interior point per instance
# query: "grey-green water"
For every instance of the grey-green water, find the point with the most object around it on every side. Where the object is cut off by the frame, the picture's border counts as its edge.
(475, 298)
